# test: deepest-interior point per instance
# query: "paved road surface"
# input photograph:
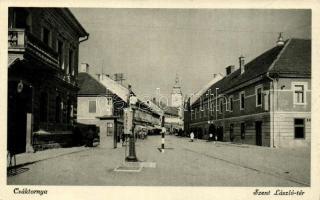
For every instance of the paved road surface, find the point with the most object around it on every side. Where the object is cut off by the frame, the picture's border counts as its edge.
(184, 163)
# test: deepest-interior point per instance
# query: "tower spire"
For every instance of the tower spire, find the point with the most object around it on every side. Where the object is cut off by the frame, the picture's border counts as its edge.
(176, 95)
(177, 81)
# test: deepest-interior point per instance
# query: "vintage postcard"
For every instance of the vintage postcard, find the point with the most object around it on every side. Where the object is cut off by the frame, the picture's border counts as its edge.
(150, 100)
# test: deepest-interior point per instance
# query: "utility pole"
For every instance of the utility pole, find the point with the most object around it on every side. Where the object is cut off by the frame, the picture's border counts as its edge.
(132, 100)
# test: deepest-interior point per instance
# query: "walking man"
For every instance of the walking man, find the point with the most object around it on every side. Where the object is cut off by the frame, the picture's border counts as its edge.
(191, 136)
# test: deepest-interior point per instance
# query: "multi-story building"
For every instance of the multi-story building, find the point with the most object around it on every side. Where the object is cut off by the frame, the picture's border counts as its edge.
(265, 102)
(43, 46)
(172, 120)
(102, 100)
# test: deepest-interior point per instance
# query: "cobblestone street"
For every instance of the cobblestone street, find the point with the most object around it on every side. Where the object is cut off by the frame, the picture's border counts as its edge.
(184, 163)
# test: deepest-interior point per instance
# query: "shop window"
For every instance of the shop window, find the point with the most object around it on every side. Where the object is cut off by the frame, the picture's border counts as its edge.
(92, 107)
(299, 128)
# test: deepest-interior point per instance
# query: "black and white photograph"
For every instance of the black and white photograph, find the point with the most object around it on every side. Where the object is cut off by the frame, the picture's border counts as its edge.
(159, 97)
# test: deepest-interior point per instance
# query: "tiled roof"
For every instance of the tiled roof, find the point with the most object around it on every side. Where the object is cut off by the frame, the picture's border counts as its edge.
(296, 59)
(204, 89)
(89, 85)
(293, 58)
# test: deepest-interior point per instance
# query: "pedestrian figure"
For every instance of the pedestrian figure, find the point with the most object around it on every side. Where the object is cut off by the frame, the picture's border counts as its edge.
(210, 137)
(191, 136)
(215, 138)
(123, 138)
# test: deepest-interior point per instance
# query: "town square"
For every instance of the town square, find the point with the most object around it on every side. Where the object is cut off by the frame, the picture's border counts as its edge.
(159, 97)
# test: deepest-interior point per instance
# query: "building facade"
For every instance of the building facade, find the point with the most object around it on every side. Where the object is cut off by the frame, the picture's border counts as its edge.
(266, 102)
(172, 120)
(43, 46)
(102, 100)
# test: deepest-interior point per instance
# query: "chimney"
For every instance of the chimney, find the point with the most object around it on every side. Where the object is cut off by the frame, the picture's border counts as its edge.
(99, 76)
(280, 41)
(214, 75)
(230, 69)
(84, 67)
(241, 64)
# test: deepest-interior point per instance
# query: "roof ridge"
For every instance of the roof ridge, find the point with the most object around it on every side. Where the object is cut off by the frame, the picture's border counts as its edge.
(279, 55)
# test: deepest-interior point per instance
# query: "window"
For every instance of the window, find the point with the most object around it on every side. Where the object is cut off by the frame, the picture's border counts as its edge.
(217, 106)
(299, 128)
(299, 95)
(241, 96)
(220, 106)
(60, 54)
(92, 107)
(71, 57)
(46, 36)
(243, 131)
(230, 104)
(109, 101)
(258, 96)
(212, 107)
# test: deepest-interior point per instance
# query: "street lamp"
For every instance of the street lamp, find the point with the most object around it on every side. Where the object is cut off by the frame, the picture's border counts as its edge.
(132, 100)
(216, 103)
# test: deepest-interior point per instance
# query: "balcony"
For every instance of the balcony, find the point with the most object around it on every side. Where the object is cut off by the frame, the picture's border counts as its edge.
(67, 78)
(22, 42)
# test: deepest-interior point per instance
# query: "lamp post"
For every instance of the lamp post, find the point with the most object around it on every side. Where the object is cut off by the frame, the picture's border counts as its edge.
(216, 103)
(132, 100)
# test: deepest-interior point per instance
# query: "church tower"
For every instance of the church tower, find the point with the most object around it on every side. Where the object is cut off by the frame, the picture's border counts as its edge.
(176, 95)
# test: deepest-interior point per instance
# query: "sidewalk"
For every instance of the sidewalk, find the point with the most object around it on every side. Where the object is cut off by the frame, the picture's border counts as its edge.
(29, 158)
(290, 163)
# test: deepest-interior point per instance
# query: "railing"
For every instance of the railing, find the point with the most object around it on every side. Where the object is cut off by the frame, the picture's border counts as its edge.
(67, 78)
(21, 41)
(16, 38)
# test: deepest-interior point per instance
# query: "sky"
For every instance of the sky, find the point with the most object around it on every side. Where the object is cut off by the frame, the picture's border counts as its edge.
(152, 46)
